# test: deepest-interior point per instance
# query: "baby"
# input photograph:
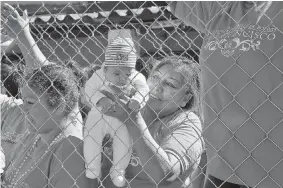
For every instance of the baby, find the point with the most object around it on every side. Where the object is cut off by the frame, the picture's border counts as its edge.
(119, 70)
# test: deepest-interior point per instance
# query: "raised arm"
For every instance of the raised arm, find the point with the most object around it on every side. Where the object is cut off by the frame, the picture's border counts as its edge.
(18, 28)
(177, 153)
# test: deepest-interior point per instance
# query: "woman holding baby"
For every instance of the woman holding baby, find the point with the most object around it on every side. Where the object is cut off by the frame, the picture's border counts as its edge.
(165, 132)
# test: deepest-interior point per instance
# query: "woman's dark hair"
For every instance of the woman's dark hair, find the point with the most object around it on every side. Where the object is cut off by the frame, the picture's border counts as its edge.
(191, 72)
(11, 78)
(58, 83)
(82, 75)
(78, 71)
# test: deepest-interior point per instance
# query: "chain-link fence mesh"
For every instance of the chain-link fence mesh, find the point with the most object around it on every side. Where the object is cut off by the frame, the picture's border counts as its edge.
(238, 46)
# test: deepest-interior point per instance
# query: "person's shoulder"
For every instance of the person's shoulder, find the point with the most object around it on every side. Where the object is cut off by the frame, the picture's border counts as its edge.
(185, 118)
(70, 146)
(185, 115)
(72, 142)
(68, 167)
(190, 115)
(192, 119)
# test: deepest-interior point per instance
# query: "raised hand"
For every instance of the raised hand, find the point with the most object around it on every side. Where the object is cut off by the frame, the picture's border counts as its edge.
(14, 24)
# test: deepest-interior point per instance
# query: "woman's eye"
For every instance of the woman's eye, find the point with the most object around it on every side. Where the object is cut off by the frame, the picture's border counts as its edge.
(29, 102)
(171, 85)
(155, 77)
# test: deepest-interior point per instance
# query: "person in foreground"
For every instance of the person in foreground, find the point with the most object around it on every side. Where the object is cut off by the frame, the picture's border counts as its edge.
(13, 129)
(166, 133)
(50, 153)
(241, 66)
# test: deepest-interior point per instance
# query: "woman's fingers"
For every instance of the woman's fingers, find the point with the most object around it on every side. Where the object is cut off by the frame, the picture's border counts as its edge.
(172, 178)
(25, 15)
(122, 98)
(11, 18)
(108, 95)
(111, 113)
(11, 10)
(6, 16)
(5, 13)
(120, 93)
(115, 89)
(120, 109)
(8, 26)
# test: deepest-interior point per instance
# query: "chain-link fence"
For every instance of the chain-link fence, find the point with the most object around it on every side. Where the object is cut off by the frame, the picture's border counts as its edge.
(142, 94)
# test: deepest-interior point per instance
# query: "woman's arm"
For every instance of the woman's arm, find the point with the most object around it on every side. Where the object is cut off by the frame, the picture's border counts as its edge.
(198, 175)
(177, 153)
(155, 161)
(18, 28)
(32, 54)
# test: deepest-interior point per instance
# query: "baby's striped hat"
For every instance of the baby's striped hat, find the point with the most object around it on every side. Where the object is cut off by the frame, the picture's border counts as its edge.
(121, 52)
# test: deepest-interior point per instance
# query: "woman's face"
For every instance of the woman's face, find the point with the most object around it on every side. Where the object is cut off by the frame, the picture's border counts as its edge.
(118, 75)
(36, 106)
(167, 90)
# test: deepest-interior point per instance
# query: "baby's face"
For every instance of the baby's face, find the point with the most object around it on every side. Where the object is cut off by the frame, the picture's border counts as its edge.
(118, 75)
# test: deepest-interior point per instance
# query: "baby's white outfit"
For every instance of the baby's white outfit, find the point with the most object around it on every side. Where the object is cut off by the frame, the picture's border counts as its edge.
(98, 125)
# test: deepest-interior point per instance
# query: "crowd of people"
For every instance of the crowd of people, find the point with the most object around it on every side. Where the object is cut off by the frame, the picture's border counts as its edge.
(188, 124)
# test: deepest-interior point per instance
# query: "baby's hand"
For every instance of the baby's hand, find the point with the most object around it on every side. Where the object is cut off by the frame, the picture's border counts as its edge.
(104, 104)
(134, 105)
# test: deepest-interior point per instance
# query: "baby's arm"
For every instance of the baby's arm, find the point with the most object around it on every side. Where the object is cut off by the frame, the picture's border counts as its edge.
(140, 98)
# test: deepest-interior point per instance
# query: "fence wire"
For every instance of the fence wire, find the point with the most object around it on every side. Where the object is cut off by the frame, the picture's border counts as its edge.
(218, 65)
